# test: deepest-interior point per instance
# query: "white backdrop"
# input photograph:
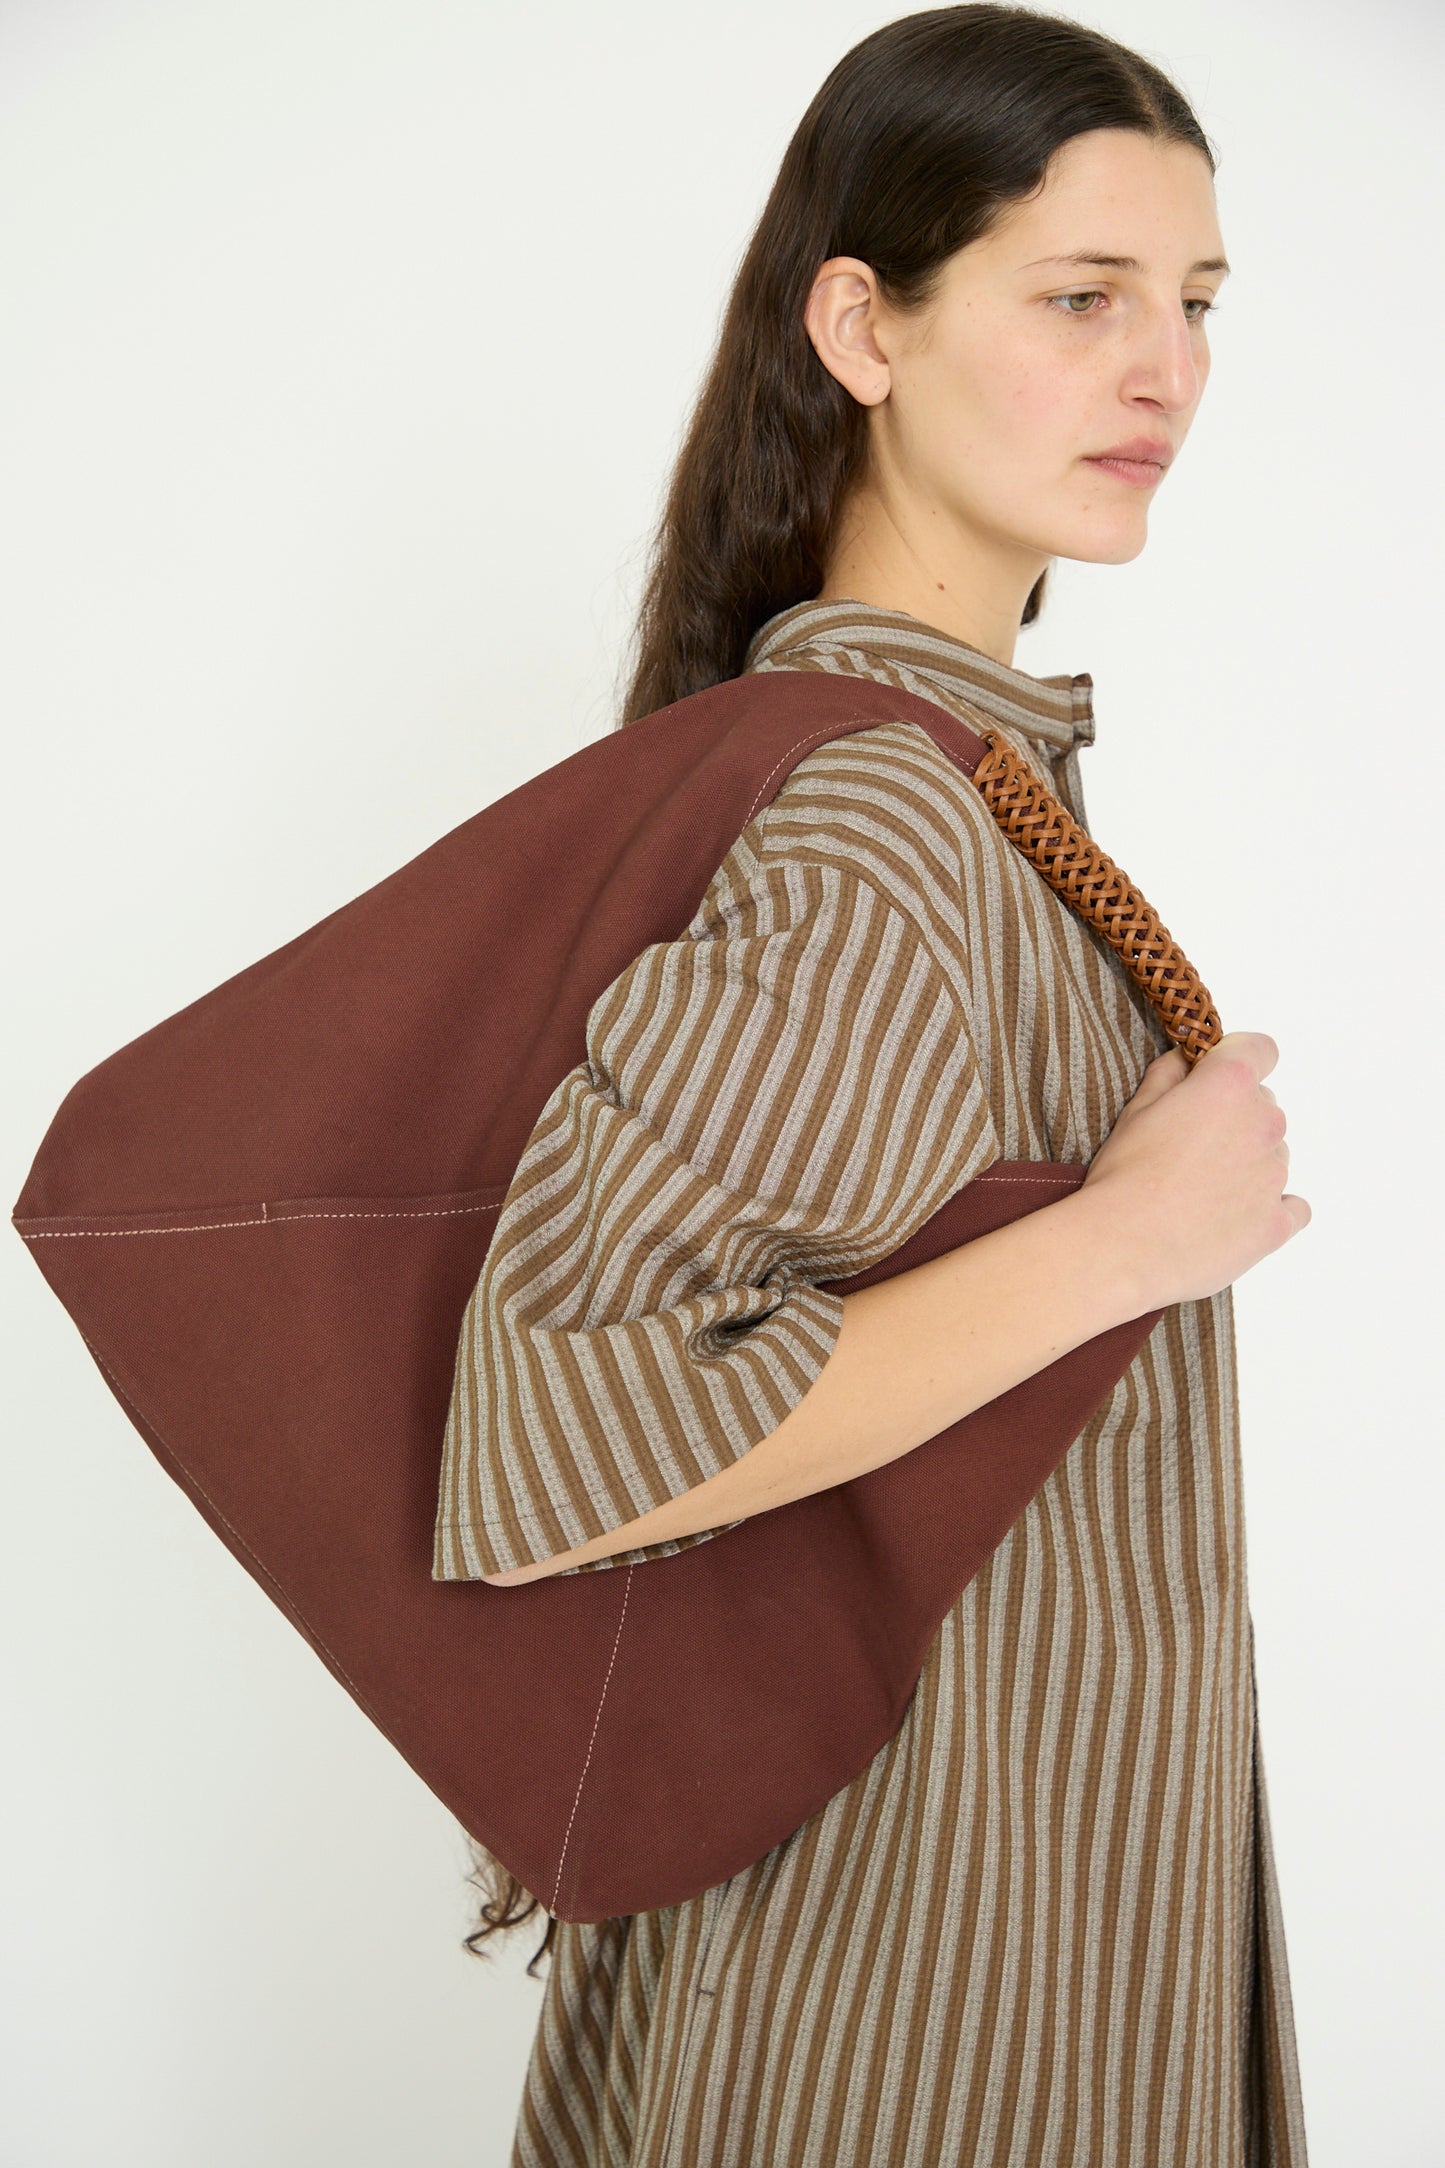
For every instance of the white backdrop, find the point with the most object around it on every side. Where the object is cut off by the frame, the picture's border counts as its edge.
(346, 347)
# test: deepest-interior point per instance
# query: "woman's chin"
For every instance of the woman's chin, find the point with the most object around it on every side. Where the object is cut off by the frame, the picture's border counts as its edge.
(1106, 542)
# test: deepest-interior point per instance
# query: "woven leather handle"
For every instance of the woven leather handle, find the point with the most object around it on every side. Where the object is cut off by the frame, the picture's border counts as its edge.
(1101, 892)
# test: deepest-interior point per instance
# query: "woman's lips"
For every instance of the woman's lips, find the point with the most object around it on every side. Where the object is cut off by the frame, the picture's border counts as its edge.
(1143, 473)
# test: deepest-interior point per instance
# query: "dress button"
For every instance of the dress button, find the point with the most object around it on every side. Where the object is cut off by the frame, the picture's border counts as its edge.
(1083, 691)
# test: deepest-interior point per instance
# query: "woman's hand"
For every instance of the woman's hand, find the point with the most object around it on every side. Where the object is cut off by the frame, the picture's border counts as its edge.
(1195, 1168)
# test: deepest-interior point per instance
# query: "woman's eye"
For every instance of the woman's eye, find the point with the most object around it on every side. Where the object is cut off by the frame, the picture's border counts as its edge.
(1095, 293)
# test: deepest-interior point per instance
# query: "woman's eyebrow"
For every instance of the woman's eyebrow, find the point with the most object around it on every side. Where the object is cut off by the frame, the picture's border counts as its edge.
(1124, 263)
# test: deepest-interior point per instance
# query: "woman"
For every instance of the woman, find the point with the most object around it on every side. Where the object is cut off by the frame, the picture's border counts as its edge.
(1042, 1926)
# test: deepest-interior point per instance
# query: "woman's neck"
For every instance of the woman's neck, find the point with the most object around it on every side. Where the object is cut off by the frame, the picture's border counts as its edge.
(955, 581)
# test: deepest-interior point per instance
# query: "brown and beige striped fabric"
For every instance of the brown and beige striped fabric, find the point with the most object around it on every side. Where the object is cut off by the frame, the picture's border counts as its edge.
(1042, 1928)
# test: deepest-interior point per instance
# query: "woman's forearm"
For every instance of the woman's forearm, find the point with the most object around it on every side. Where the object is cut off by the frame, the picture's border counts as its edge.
(915, 1354)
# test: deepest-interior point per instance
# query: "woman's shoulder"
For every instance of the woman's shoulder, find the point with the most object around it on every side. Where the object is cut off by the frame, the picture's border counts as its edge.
(885, 805)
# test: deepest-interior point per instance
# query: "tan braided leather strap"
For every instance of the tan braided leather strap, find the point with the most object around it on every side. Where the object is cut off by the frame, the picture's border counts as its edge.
(1069, 859)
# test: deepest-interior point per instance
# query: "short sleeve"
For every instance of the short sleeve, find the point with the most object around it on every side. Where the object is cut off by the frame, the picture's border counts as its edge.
(779, 1097)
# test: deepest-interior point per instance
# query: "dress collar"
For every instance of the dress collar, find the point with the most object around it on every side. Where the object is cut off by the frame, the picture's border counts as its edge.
(894, 647)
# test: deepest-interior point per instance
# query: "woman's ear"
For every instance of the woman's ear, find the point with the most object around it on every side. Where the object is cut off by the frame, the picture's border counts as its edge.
(843, 317)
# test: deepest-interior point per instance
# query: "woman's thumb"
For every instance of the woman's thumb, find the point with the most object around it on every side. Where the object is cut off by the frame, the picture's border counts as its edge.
(1162, 1075)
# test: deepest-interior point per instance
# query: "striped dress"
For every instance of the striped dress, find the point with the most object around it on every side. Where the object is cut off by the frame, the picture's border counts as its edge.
(1042, 1928)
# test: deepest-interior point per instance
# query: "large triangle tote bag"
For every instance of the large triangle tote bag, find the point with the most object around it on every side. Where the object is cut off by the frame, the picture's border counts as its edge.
(265, 1216)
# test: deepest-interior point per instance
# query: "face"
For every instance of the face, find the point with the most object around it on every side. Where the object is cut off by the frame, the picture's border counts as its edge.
(994, 404)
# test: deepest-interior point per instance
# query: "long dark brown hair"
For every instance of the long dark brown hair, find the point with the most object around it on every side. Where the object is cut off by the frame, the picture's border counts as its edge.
(922, 135)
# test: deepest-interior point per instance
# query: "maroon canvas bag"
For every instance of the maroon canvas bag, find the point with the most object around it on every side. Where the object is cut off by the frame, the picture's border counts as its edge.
(266, 1214)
